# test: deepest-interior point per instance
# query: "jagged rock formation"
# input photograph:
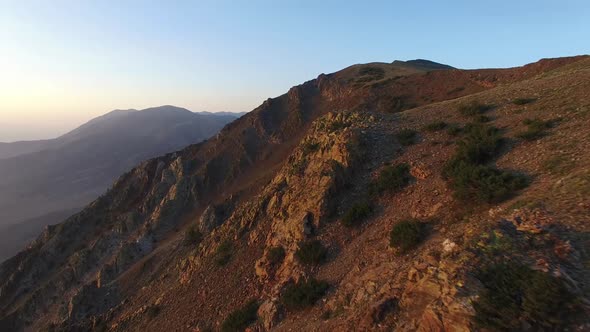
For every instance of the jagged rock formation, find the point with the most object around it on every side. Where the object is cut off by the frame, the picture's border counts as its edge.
(288, 173)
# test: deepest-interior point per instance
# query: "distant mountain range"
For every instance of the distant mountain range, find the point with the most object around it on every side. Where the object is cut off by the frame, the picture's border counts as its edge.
(45, 181)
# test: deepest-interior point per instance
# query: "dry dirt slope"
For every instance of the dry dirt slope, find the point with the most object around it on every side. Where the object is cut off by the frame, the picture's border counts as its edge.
(129, 266)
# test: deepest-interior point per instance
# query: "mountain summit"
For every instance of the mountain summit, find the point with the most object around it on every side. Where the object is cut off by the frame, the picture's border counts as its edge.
(380, 197)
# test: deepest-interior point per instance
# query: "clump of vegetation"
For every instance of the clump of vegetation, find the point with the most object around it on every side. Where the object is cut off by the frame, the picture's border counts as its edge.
(470, 178)
(371, 70)
(370, 73)
(406, 137)
(482, 183)
(392, 179)
(153, 310)
(297, 168)
(454, 130)
(515, 293)
(224, 253)
(523, 101)
(357, 213)
(479, 144)
(473, 108)
(304, 294)
(310, 147)
(407, 234)
(337, 125)
(241, 318)
(482, 118)
(436, 126)
(275, 255)
(311, 252)
(193, 236)
(535, 129)
(558, 164)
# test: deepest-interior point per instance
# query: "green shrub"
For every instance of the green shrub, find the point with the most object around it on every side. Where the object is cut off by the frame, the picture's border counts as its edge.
(303, 294)
(370, 73)
(224, 253)
(473, 108)
(523, 101)
(406, 137)
(297, 168)
(371, 70)
(482, 183)
(241, 318)
(482, 118)
(454, 130)
(407, 234)
(309, 147)
(357, 213)
(391, 178)
(153, 310)
(515, 293)
(479, 144)
(436, 126)
(470, 178)
(275, 255)
(535, 129)
(337, 125)
(311, 252)
(193, 236)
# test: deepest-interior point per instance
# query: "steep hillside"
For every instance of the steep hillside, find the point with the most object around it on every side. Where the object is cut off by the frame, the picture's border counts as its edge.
(383, 196)
(65, 174)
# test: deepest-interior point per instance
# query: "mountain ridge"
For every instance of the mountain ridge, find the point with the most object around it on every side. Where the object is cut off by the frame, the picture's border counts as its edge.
(276, 177)
(72, 170)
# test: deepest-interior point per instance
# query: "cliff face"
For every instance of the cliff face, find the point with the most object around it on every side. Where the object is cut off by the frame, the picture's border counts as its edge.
(288, 174)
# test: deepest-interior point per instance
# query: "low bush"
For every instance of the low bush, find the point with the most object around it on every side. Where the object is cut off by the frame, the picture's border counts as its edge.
(436, 126)
(535, 129)
(357, 213)
(406, 137)
(523, 101)
(480, 143)
(241, 318)
(309, 147)
(337, 125)
(392, 179)
(153, 310)
(311, 253)
(515, 293)
(303, 294)
(224, 253)
(454, 130)
(275, 255)
(193, 236)
(407, 234)
(473, 108)
(482, 119)
(370, 73)
(482, 183)
(470, 178)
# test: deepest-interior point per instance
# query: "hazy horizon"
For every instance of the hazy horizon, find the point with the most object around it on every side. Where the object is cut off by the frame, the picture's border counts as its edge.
(54, 129)
(65, 63)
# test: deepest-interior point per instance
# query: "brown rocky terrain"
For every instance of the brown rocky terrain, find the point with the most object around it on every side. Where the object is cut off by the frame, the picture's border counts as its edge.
(293, 206)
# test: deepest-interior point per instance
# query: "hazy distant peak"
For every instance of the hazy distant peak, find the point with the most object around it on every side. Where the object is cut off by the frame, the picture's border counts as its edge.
(166, 109)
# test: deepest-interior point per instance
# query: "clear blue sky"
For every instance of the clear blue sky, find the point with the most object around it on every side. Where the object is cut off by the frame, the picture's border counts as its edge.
(63, 62)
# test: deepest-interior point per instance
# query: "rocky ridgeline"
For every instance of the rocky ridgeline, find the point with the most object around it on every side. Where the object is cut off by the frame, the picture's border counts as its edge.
(75, 262)
(183, 240)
